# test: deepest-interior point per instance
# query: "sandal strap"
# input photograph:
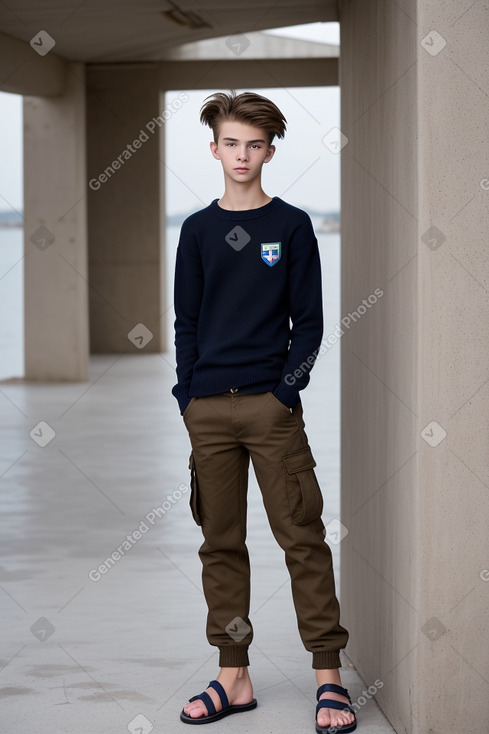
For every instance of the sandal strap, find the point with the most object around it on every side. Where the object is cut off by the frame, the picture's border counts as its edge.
(207, 700)
(329, 703)
(221, 693)
(334, 689)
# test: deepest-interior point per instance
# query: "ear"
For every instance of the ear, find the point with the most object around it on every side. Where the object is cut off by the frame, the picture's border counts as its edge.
(270, 153)
(215, 150)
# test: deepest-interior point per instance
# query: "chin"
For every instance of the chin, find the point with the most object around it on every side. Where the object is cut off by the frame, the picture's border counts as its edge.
(243, 176)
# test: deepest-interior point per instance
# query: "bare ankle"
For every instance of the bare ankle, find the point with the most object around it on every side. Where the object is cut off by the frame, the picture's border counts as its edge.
(235, 672)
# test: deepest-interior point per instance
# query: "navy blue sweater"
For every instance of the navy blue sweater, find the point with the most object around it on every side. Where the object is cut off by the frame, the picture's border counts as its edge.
(248, 302)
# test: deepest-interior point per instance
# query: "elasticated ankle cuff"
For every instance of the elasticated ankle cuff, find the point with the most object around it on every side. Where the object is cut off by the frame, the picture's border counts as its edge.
(233, 656)
(326, 659)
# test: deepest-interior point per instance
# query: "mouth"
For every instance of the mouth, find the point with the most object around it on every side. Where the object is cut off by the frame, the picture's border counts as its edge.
(241, 170)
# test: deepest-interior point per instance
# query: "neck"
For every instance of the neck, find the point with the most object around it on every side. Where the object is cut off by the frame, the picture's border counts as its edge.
(242, 196)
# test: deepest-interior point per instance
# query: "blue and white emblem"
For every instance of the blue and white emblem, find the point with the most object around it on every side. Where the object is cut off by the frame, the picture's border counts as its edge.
(271, 252)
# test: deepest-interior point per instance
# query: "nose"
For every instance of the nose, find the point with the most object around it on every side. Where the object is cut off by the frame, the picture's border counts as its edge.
(242, 154)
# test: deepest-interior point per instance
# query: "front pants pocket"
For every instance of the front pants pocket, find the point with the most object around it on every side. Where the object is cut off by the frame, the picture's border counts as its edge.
(194, 491)
(303, 491)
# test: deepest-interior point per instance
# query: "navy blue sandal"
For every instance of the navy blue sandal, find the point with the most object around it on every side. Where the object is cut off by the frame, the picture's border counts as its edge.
(329, 703)
(212, 714)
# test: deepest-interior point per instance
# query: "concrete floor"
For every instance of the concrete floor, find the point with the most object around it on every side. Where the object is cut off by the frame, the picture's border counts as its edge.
(126, 651)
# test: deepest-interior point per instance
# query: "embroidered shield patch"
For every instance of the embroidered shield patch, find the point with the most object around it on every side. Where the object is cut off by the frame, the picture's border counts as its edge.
(271, 252)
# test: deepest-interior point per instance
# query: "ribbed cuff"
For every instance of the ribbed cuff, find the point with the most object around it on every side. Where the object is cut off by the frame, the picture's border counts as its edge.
(286, 395)
(325, 659)
(233, 656)
(181, 394)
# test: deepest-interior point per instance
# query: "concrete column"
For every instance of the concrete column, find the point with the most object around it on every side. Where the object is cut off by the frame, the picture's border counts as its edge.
(55, 269)
(414, 360)
(453, 347)
(125, 208)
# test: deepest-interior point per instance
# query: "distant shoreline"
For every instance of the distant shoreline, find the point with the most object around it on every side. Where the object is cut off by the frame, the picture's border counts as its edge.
(330, 221)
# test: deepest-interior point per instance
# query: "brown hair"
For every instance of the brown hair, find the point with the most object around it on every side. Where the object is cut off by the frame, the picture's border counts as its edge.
(247, 107)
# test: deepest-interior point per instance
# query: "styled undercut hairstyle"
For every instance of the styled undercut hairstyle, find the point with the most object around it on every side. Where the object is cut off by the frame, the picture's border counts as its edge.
(248, 107)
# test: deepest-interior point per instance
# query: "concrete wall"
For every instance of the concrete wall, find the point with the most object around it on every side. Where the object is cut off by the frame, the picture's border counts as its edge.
(55, 262)
(25, 72)
(126, 237)
(453, 517)
(414, 365)
(249, 74)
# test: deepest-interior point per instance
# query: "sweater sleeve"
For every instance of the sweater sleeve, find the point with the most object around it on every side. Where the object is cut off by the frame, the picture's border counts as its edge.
(188, 288)
(306, 314)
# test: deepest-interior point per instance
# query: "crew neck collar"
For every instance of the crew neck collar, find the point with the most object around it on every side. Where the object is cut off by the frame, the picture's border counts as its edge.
(243, 213)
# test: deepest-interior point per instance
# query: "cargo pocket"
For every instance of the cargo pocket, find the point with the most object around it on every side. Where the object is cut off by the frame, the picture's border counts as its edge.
(303, 491)
(194, 491)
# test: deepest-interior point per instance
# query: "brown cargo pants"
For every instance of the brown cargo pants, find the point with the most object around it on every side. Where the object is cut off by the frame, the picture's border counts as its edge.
(225, 430)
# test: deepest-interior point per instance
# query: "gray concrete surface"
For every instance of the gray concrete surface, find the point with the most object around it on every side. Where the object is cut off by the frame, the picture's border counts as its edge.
(414, 396)
(83, 655)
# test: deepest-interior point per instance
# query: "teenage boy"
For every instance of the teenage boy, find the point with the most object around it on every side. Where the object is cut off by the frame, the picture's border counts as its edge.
(248, 327)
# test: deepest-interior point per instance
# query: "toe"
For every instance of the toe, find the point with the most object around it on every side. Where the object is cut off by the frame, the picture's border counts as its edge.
(333, 718)
(324, 718)
(195, 710)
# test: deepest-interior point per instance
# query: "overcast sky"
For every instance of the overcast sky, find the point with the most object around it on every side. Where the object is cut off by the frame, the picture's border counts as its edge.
(303, 171)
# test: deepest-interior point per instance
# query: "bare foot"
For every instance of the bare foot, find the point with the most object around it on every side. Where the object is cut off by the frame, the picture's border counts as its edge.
(332, 717)
(237, 684)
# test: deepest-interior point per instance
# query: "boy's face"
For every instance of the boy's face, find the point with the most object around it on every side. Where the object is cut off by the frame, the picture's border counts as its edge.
(242, 150)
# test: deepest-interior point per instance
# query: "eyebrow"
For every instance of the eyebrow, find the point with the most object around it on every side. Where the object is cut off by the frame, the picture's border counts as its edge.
(235, 140)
